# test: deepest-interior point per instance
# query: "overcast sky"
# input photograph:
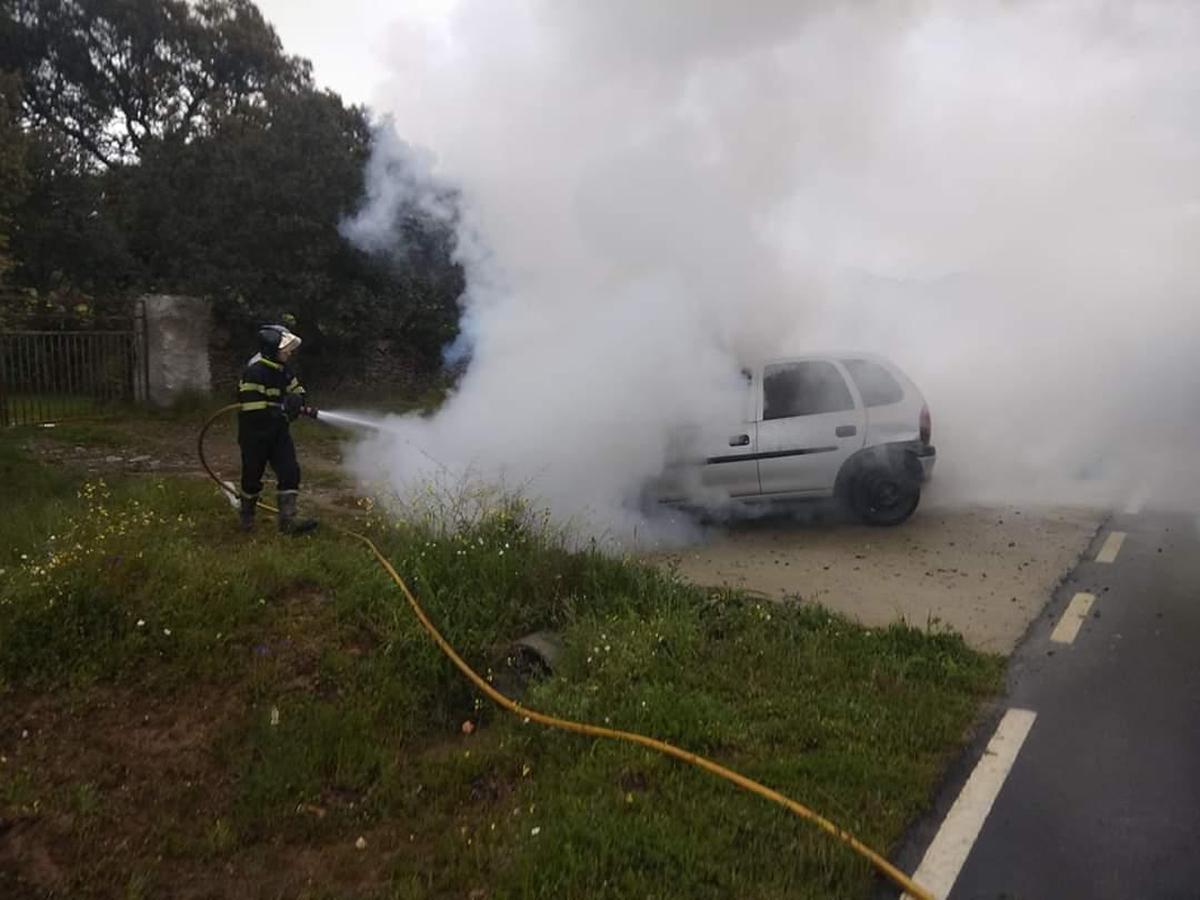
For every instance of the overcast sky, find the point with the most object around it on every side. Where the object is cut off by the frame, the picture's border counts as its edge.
(346, 40)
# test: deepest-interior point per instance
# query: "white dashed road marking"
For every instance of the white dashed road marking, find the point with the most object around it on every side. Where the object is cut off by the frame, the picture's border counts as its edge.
(945, 857)
(1072, 618)
(1112, 546)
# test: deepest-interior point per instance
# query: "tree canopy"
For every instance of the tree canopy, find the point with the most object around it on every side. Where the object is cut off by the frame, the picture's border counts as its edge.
(112, 75)
(172, 146)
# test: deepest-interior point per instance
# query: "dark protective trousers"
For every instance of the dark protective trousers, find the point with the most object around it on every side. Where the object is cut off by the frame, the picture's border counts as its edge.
(262, 445)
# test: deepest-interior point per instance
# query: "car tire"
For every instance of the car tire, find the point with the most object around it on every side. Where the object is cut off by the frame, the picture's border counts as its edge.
(884, 494)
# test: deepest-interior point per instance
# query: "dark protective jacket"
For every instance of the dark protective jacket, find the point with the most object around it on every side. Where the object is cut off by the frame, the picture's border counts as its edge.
(263, 432)
(261, 392)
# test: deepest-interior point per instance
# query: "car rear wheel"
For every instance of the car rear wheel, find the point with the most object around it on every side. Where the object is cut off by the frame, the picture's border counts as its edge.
(884, 495)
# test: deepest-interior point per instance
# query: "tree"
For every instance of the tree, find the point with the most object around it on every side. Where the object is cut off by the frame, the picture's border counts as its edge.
(174, 147)
(14, 170)
(65, 234)
(112, 75)
(249, 216)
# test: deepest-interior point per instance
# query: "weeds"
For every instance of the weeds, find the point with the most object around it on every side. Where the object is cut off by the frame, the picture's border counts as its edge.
(342, 719)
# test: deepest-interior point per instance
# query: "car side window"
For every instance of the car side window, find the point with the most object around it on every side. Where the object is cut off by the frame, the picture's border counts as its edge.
(875, 383)
(804, 389)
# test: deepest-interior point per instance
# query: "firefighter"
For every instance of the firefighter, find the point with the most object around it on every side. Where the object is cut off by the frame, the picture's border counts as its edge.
(271, 397)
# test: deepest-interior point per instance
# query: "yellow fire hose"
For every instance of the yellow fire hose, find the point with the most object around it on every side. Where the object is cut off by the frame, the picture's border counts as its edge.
(906, 884)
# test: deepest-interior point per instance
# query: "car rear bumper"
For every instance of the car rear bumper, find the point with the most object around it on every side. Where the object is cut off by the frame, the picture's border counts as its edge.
(926, 455)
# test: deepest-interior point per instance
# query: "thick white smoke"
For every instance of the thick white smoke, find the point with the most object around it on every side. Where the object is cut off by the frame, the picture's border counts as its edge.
(1003, 197)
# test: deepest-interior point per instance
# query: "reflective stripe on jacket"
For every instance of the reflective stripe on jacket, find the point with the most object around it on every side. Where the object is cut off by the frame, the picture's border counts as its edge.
(264, 383)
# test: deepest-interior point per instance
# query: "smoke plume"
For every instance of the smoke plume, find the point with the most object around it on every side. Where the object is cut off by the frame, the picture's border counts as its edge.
(1001, 197)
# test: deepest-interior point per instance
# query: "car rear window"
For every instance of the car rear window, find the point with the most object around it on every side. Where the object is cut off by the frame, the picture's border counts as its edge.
(804, 389)
(875, 383)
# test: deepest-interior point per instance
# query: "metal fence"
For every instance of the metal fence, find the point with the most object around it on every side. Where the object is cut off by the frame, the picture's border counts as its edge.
(50, 374)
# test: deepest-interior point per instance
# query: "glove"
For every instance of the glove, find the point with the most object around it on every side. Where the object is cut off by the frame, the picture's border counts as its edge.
(293, 405)
(310, 411)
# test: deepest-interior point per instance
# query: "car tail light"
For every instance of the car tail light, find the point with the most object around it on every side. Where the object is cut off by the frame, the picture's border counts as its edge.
(926, 425)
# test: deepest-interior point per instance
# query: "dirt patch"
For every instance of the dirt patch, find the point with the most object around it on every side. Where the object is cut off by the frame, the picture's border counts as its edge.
(112, 793)
(133, 446)
(984, 572)
(95, 775)
(22, 840)
(289, 653)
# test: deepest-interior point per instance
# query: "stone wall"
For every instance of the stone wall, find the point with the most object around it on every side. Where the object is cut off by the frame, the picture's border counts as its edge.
(176, 340)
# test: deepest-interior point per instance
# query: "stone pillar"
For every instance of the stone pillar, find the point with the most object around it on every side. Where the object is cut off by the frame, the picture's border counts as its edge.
(176, 347)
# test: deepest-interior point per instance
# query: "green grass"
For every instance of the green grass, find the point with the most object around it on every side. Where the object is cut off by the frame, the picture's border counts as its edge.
(344, 719)
(33, 497)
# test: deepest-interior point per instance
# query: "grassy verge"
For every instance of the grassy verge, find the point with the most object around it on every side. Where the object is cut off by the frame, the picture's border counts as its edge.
(186, 711)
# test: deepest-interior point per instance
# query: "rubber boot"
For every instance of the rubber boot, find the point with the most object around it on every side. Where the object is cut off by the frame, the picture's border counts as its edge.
(289, 523)
(246, 513)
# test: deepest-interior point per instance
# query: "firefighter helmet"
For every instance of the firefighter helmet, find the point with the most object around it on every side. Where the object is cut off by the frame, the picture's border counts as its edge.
(275, 338)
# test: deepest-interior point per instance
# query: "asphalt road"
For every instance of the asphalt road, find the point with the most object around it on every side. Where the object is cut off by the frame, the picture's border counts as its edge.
(1102, 799)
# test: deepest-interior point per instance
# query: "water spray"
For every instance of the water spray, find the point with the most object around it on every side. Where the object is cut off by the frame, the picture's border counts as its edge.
(352, 421)
(347, 420)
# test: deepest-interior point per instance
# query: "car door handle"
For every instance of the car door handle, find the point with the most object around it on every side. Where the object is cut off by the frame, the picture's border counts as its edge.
(846, 431)
(739, 440)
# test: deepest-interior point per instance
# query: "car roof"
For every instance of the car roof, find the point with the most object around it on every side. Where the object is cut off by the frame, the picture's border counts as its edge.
(830, 355)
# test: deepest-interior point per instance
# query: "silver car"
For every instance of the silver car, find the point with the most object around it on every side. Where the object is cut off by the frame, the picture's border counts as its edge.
(850, 426)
